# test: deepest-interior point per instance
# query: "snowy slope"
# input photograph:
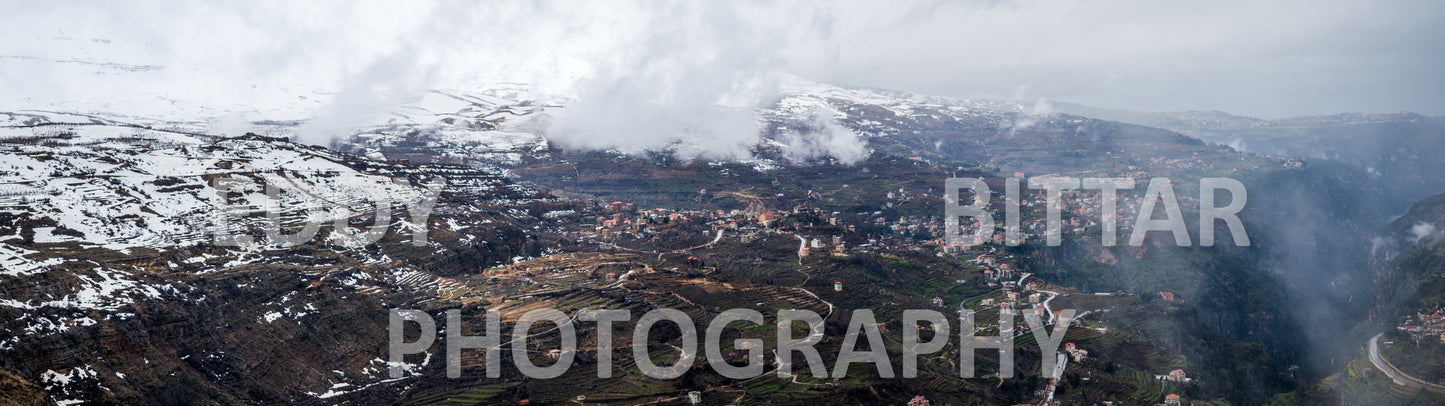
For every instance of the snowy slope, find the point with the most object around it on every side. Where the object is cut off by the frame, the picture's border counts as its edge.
(497, 125)
(120, 187)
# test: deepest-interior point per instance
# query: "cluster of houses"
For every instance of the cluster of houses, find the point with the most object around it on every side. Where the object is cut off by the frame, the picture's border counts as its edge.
(1423, 326)
(994, 270)
(1078, 354)
(929, 226)
(837, 247)
(747, 226)
(624, 219)
(1014, 302)
(1175, 376)
(1171, 400)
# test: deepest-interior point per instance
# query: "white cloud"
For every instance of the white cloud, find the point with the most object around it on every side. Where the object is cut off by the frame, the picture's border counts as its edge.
(823, 136)
(1420, 231)
(698, 67)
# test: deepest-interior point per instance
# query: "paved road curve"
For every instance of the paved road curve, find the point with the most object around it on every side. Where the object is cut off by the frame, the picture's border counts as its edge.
(1399, 377)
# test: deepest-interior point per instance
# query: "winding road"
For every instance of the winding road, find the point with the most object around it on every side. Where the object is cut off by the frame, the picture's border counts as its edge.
(1049, 310)
(1400, 377)
(802, 243)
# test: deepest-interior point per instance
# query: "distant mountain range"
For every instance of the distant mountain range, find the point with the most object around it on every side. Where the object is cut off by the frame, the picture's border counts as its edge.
(1402, 150)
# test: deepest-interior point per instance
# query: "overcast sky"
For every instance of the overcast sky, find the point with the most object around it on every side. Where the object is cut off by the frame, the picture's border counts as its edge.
(1265, 59)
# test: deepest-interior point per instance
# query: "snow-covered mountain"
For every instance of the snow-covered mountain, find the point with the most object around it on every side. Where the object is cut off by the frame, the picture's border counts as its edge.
(121, 186)
(500, 125)
(111, 223)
